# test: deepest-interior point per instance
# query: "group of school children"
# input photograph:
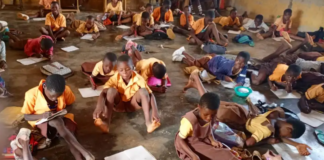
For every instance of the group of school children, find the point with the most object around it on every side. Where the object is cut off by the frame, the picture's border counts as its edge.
(130, 80)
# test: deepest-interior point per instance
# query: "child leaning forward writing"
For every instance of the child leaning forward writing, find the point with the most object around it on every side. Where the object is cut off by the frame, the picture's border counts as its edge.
(49, 97)
(127, 91)
(89, 27)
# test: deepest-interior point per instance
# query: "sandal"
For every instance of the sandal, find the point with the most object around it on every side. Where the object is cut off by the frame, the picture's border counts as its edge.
(319, 136)
(256, 155)
(246, 154)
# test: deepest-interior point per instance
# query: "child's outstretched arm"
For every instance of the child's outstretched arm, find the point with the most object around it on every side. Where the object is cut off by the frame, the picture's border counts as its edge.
(100, 108)
(302, 148)
(272, 85)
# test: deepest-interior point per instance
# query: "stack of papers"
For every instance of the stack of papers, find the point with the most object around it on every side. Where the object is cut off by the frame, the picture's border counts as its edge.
(132, 38)
(282, 94)
(70, 49)
(89, 92)
(31, 60)
(123, 27)
(137, 153)
(87, 37)
(234, 32)
(313, 119)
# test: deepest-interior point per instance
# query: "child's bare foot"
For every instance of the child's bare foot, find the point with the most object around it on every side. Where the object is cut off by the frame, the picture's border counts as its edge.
(309, 39)
(3, 6)
(286, 43)
(259, 36)
(90, 157)
(153, 126)
(192, 80)
(118, 38)
(286, 36)
(102, 125)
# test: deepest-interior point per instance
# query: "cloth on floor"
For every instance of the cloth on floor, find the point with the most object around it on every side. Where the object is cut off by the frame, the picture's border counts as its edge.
(244, 39)
(309, 65)
(213, 48)
(309, 48)
(224, 134)
(157, 35)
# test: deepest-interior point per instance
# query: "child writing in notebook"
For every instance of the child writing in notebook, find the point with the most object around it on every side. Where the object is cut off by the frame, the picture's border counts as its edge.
(89, 27)
(127, 91)
(104, 69)
(231, 22)
(163, 14)
(37, 47)
(50, 96)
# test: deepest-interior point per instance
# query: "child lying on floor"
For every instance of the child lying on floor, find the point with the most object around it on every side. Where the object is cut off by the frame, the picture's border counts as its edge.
(217, 67)
(280, 28)
(44, 9)
(127, 91)
(38, 47)
(313, 99)
(74, 23)
(204, 30)
(55, 24)
(50, 96)
(89, 27)
(232, 22)
(256, 25)
(270, 125)
(143, 29)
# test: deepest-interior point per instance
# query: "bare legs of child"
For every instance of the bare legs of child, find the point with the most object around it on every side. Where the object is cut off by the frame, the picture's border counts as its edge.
(210, 33)
(142, 97)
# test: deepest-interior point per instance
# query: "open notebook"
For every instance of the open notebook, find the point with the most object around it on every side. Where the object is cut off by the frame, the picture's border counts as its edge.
(57, 68)
(57, 114)
(89, 92)
(137, 153)
(87, 37)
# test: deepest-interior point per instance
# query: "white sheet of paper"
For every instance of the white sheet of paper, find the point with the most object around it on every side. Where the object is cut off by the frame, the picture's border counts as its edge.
(163, 25)
(137, 153)
(87, 37)
(89, 92)
(317, 115)
(39, 19)
(234, 32)
(123, 27)
(309, 120)
(70, 49)
(257, 31)
(132, 38)
(282, 94)
(277, 39)
(254, 71)
(31, 60)
(2, 70)
(230, 85)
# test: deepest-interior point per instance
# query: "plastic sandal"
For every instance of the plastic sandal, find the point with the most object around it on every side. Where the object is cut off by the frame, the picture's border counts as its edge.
(256, 155)
(319, 136)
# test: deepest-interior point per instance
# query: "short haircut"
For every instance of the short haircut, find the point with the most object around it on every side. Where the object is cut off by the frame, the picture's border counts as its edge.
(167, 2)
(294, 69)
(209, 100)
(233, 10)
(54, 3)
(259, 16)
(145, 15)
(110, 56)
(90, 17)
(148, 5)
(298, 127)
(124, 58)
(159, 70)
(46, 43)
(288, 11)
(55, 83)
(245, 55)
(210, 14)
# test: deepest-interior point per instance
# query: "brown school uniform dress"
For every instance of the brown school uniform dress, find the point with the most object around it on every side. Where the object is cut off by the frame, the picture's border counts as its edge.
(200, 144)
(307, 80)
(270, 66)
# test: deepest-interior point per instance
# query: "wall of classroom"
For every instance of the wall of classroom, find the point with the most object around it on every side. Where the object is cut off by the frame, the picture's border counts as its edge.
(308, 15)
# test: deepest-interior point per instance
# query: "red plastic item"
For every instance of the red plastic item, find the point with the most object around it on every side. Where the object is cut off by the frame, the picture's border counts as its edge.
(222, 4)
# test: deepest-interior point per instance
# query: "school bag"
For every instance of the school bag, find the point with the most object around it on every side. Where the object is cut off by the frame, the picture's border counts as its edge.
(243, 39)
(209, 48)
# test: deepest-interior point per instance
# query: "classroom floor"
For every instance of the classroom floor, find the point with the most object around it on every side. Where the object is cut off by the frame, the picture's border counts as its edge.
(128, 129)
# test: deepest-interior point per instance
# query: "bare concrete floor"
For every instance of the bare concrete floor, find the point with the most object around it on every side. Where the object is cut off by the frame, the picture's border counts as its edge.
(128, 129)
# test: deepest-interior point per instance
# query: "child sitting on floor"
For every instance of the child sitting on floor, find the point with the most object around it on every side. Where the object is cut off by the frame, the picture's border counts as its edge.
(138, 17)
(194, 140)
(44, 9)
(38, 47)
(280, 28)
(269, 125)
(127, 91)
(232, 22)
(205, 30)
(163, 14)
(50, 96)
(217, 66)
(102, 70)
(284, 76)
(313, 99)
(115, 15)
(143, 29)
(89, 27)
(256, 25)
(55, 24)
(186, 22)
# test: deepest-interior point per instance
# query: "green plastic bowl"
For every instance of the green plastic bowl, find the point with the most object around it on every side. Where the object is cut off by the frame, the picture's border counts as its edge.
(242, 91)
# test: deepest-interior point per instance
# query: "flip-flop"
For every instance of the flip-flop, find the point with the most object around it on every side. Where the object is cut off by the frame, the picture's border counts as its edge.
(118, 38)
(319, 136)
(23, 134)
(170, 33)
(256, 155)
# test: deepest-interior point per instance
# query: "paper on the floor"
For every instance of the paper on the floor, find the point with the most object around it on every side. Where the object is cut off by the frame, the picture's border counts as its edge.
(280, 38)
(89, 92)
(70, 49)
(306, 118)
(132, 38)
(230, 85)
(123, 27)
(39, 19)
(87, 37)
(31, 60)
(234, 32)
(317, 115)
(137, 153)
(282, 94)
(164, 25)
